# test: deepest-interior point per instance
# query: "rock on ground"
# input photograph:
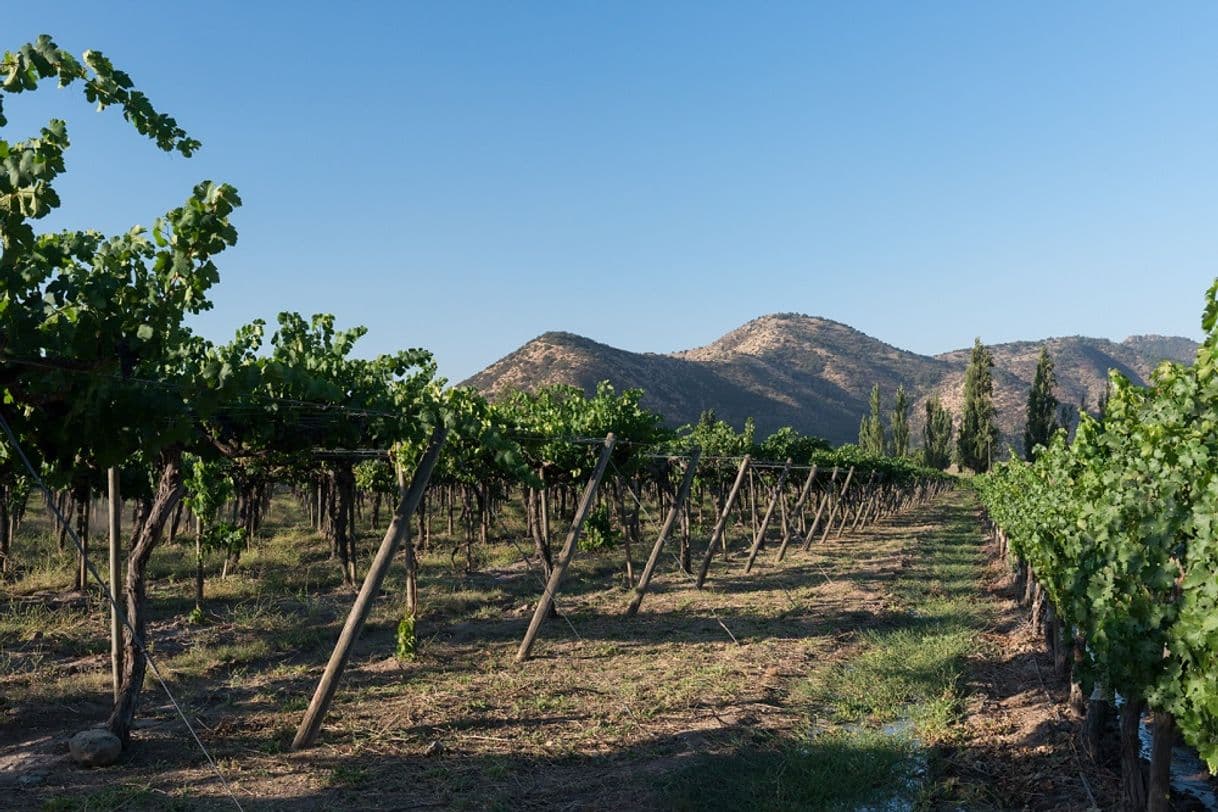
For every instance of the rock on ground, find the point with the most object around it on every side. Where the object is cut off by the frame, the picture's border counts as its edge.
(95, 748)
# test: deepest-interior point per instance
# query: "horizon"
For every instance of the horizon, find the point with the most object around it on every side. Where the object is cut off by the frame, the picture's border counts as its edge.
(465, 178)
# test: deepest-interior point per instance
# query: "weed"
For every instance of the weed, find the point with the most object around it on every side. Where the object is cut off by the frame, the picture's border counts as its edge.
(345, 776)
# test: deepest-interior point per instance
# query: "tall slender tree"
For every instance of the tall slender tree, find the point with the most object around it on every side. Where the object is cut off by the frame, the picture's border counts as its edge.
(871, 428)
(937, 435)
(978, 434)
(1042, 407)
(899, 423)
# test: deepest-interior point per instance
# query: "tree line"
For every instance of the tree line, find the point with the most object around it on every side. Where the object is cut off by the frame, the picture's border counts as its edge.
(974, 444)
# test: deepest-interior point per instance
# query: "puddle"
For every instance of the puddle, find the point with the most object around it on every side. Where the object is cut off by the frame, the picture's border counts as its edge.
(902, 799)
(912, 772)
(901, 727)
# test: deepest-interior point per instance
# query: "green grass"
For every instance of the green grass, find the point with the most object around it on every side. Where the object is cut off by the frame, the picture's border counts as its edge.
(837, 769)
(123, 796)
(344, 776)
(900, 674)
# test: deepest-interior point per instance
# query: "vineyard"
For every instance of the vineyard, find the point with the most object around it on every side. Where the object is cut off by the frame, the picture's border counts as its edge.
(199, 451)
(275, 573)
(1113, 532)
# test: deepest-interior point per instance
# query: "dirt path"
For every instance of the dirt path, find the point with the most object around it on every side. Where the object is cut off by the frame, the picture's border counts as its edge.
(1017, 746)
(606, 715)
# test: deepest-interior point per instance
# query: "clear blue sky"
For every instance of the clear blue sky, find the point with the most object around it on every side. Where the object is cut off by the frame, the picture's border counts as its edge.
(465, 176)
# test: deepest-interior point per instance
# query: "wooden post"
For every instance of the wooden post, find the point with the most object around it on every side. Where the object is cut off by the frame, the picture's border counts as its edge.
(836, 503)
(769, 513)
(882, 502)
(858, 514)
(821, 504)
(797, 511)
(568, 550)
(412, 587)
(682, 494)
(398, 530)
(116, 626)
(721, 525)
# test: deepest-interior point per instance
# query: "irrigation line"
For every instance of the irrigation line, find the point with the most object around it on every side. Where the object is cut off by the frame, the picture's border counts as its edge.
(122, 616)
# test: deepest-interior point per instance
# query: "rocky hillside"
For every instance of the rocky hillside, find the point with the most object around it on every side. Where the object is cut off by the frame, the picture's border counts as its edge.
(816, 374)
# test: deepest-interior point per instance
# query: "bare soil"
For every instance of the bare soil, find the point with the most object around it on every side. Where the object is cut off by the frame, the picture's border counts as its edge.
(1018, 746)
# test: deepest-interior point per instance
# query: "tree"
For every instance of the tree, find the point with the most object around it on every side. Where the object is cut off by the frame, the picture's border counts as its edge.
(975, 443)
(88, 320)
(937, 435)
(899, 423)
(871, 427)
(1042, 407)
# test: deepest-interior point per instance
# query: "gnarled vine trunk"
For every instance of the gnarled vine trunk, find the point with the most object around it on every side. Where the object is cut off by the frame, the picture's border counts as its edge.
(146, 536)
(1133, 775)
(5, 539)
(80, 494)
(1159, 789)
(1095, 724)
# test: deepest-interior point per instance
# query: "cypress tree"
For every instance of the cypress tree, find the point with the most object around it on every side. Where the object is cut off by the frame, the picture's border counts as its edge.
(871, 428)
(899, 421)
(1042, 407)
(975, 443)
(937, 435)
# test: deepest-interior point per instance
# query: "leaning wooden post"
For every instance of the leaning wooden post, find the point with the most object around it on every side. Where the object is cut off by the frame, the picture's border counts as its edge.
(866, 509)
(882, 502)
(836, 503)
(820, 508)
(398, 530)
(721, 525)
(795, 511)
(116, 625)
(858, 514)
(769, 512)
(568, 550)
(682, 494)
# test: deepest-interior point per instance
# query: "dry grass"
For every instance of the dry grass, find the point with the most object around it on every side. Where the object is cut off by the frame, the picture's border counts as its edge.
(605, 713)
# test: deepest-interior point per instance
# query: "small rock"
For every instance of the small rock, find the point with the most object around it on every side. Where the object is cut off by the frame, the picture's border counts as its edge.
(434, 749)
(95, 748)
(31, 779)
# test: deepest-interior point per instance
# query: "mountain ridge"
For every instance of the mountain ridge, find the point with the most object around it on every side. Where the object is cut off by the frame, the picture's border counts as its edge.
(816, 374)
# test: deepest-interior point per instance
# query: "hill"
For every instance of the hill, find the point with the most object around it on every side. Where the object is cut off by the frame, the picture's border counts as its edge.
(816, 374)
